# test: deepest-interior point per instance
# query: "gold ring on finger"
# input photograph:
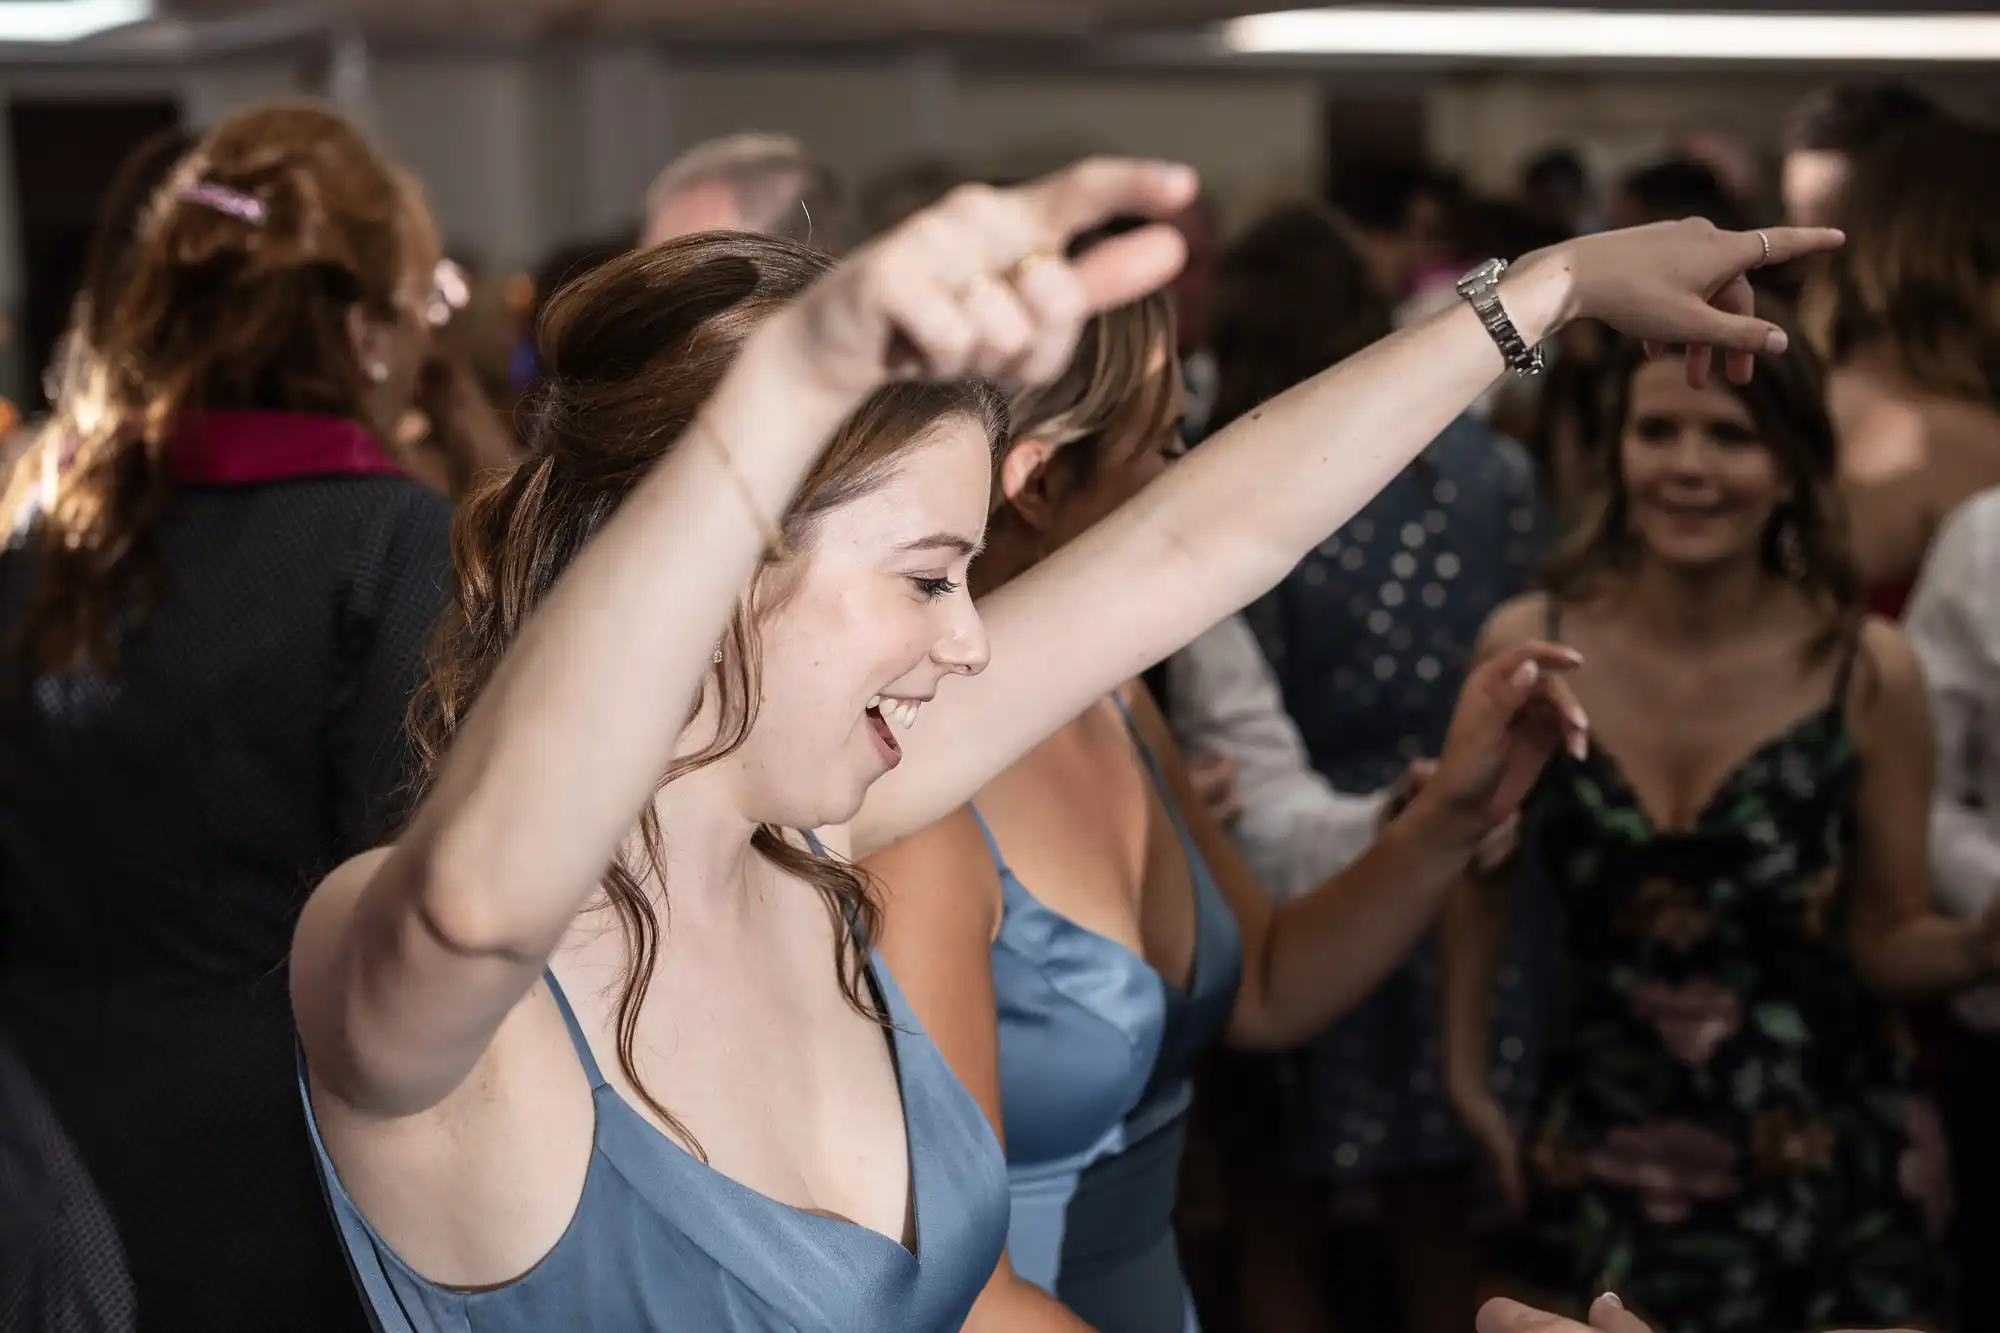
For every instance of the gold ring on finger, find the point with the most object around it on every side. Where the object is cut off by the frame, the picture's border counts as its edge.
(1764, 241)
(1018, 271)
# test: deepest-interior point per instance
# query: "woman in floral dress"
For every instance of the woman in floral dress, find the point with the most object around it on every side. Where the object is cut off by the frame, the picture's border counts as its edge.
(1725, 1134)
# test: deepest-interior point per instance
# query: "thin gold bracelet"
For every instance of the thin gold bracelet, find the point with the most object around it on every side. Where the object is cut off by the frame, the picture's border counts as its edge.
(774, 534)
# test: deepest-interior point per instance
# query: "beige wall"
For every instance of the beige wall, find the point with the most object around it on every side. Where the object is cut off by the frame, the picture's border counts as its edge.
(522, 150)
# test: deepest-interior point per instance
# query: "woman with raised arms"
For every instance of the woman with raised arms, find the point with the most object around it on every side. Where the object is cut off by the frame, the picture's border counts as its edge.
(680, 1091)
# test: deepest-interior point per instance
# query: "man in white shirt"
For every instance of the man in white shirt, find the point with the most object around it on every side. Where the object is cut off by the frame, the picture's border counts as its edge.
(1953, 620)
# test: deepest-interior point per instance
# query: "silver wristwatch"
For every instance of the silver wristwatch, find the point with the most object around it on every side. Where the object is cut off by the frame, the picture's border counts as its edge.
(1482, 288)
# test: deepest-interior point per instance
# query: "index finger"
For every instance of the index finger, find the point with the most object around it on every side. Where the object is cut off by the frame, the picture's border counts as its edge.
(1126, 267)
(1787, 244)
(1097, 189)
(1501, 1315)
(1545, 656)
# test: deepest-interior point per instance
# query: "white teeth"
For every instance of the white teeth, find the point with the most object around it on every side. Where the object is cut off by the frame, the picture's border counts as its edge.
(875, 702)
(905, 713)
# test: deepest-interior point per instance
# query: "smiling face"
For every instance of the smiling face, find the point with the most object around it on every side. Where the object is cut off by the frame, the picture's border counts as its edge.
(865, 628)
(1701, 482)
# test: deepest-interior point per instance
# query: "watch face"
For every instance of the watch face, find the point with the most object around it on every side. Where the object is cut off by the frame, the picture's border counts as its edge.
(1486, 273)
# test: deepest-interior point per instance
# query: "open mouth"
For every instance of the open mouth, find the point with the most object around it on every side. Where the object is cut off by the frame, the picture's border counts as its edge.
(885, 715)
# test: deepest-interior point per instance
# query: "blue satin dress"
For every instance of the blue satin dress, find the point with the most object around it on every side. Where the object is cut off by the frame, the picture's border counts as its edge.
(1096, 1053)
(661, 1241)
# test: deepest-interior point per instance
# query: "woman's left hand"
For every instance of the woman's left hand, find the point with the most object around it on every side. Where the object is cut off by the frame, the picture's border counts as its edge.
(1607, 1315)
(1513, 713)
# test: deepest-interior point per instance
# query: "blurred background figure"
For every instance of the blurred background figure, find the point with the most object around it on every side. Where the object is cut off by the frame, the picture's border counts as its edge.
(561, 266)
(1670, 190)
(750, 182)
(1828, 131)
(1557, 192)
(1193, 295)
(1731, 158)
(1401, 215)
(62, 1269)
(1369, 639)
(214, 615)
(1954, 624)
(1909, 315)
(1740, 863)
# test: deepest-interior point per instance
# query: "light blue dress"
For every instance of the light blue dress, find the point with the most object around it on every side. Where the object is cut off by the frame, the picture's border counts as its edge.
(1096, 1050)
(661, 1241)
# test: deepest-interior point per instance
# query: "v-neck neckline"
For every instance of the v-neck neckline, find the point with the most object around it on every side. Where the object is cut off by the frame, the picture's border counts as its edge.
(893, 1034)
(1606, 761)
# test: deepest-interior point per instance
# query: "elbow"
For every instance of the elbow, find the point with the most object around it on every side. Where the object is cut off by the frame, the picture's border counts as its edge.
(457, 902)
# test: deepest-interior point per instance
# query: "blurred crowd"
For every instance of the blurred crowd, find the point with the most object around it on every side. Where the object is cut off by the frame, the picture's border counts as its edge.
(1671, 1039)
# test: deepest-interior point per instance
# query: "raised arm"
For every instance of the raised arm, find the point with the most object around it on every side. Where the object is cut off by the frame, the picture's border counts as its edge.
(1308, 961)
(1228, 522)
(407, 961)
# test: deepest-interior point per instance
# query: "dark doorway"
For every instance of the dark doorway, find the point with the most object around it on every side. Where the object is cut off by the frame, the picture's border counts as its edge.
(66, 154)
(1375, 129)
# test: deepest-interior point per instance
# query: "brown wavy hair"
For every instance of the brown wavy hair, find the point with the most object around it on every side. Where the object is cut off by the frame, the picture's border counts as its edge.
(630, 352)
(1920, 273)
(212, 312)
(1786, 399)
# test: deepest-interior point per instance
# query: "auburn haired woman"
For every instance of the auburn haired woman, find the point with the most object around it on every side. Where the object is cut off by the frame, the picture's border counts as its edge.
(599, 1040)
(213, 612)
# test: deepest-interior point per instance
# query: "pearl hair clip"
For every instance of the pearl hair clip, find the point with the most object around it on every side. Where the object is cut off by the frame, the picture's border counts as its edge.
(225, 200)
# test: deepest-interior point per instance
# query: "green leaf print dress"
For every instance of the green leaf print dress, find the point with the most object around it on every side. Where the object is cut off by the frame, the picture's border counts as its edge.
(1726, 1134)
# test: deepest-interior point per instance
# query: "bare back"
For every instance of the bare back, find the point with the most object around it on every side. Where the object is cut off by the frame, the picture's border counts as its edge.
(1907, 461)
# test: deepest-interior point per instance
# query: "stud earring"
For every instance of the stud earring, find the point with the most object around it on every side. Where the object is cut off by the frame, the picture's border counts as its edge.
(1791, 551)
(378, 372)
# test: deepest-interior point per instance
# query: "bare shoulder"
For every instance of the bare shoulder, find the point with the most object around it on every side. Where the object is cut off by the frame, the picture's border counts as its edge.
(1514, 622)
(324, 923)
(1886, 694)
(941, 877)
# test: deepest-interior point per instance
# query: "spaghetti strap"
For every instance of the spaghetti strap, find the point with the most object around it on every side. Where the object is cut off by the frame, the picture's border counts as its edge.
(1845, 675)
(999, 861)
(1152, 762)
(812, 841)
(576, 1037)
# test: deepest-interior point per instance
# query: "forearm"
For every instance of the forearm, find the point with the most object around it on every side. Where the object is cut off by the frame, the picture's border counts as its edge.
(1246, 507)
(1922, 956)
(570, 738)
(1325, 952)
(1295, 841)
(1475, 923)
(1219, 528)
(566, 744)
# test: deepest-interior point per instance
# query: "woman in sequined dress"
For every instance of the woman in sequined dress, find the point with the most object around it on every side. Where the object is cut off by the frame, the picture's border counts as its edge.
(1370, 637)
